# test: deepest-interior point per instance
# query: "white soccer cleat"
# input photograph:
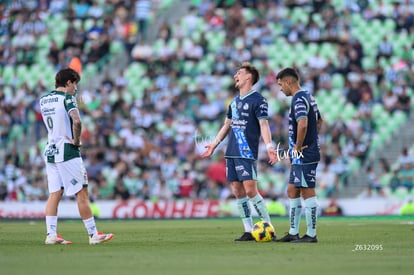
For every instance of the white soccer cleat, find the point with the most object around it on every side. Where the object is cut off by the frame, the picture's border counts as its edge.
(57, 239)
(101, 238)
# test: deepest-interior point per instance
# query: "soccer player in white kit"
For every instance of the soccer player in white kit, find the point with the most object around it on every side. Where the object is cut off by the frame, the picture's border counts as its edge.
(64, 166)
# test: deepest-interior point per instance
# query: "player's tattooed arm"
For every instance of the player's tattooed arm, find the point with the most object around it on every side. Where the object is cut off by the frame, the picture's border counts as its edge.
(76, 127)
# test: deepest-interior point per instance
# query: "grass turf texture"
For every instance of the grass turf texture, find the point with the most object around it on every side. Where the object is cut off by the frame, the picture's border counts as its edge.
(207, 247)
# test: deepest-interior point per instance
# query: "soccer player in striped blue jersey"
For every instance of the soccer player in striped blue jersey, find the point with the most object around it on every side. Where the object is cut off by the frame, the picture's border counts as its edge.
(304, 124)
(64, 166)
(246, 121)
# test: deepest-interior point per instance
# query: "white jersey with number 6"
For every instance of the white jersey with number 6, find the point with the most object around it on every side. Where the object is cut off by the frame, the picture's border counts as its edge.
(55, 108)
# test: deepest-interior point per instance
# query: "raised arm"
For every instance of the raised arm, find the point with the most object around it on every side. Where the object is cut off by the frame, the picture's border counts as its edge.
(219, 138)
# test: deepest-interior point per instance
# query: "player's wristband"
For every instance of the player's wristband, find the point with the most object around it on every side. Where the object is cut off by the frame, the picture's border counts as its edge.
(270, 146)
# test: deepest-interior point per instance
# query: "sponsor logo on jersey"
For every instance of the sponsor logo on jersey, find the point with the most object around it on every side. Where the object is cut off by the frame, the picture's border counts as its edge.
(49, 100)
(246, 106)
(51, 150)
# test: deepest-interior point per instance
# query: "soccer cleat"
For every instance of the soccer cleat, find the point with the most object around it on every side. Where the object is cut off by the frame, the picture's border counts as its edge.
(289, 238)
(306, 239)
(57, 239)
(247, 236)
(100, 238)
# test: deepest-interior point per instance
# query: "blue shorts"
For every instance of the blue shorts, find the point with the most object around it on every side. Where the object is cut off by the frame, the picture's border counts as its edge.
(241, 169)
(303, 175)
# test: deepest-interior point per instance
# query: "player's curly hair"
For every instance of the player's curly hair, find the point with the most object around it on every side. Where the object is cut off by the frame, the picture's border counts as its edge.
(252, 70)
(64, 75)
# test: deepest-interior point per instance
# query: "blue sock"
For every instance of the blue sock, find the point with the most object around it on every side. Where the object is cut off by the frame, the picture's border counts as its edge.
(245, 213)
(260, 206)
(311, 207)
(295, 209)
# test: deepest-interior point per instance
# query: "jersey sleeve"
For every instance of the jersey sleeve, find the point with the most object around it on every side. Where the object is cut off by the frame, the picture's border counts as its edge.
(315, 107)
(262, 110)
(229, 113)
(301, 108)
(70, 103)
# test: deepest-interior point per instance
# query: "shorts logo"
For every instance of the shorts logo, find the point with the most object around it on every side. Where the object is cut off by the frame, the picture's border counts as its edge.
(239, 167)
(245, 173)
(296, 179)
(74, 182)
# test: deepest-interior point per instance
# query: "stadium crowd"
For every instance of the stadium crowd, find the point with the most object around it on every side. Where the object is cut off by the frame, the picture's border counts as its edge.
(145, 125)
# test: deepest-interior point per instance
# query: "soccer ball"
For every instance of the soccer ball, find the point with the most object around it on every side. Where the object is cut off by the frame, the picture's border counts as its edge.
(263, 231)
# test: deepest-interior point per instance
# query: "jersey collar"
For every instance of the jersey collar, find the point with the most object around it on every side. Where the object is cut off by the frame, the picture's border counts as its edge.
(243, 97)
(58, 92)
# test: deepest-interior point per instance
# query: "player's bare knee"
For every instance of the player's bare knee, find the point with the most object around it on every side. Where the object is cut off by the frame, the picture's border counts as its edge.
(293, 192)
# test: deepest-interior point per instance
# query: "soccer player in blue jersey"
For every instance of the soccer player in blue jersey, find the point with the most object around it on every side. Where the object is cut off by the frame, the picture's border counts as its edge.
(304, 124)
(246, 121)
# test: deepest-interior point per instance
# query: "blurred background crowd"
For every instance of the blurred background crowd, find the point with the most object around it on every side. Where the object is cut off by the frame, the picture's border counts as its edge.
(157, 77)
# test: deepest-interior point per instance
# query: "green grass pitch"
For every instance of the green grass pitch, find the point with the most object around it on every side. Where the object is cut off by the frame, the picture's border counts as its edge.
(206, 246)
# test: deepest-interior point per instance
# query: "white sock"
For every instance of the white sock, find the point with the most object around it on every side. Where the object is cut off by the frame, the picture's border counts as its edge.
(311, 206)
(260, 206)
(90, 226)
(245, 213)
(295, 209)
(51, 225)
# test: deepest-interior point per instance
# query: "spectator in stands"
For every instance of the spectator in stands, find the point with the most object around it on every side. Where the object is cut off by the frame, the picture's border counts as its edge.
(235, 22)
(81, 9)
(186, 185)
(143, 11)
(385, 49)
(142, 52)
(404, 101)
(381, 11)
(165, 32)
(373, 183)
(389, 101)
(395, 181)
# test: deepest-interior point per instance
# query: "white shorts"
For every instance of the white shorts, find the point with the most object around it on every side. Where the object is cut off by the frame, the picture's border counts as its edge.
(68, 175)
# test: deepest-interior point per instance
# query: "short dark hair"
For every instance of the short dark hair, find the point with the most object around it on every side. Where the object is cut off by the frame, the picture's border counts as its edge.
(64, 75)
(252, 70)
(288, 72)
